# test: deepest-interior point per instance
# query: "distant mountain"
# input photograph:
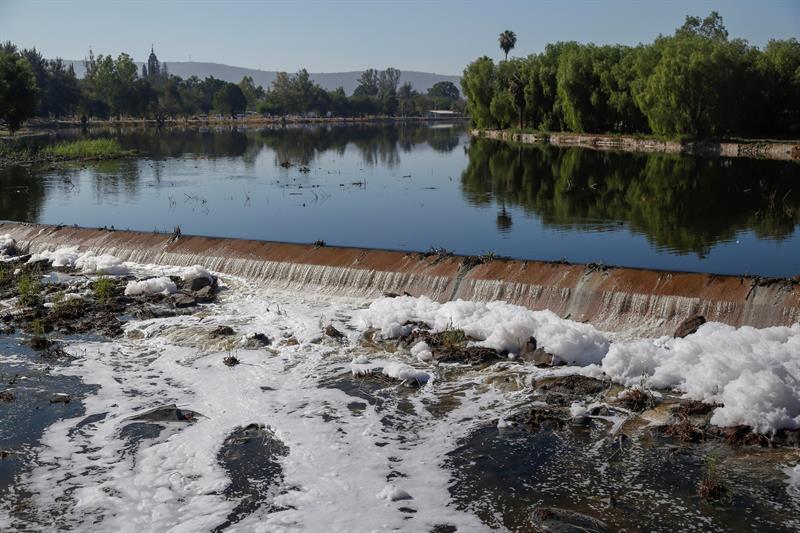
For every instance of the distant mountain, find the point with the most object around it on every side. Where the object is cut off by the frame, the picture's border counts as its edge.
(421, 81)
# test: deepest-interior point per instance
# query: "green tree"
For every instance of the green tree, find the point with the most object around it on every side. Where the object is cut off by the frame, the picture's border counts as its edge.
(18, 92)
(444, 89)
(478, 85)
(229, 100)
(507, 40)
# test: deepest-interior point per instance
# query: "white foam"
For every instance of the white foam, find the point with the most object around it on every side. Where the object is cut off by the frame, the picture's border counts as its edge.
(754, 373)
(162, 285)
(497, 325)
(88, 262)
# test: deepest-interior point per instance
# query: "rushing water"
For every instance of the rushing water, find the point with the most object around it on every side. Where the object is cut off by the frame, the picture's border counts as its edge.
(412, 187)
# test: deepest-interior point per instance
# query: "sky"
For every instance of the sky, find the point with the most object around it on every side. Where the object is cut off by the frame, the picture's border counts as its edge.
(433, 36)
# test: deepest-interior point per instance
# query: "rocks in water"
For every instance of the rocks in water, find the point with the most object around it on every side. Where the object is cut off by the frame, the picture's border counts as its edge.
(230, 360)
(636, 399)
(539, 357)
(40, 343)
(256, 341)
(60, 397)
(7, 329)
(182, 300)
(692, 408)
(199, 280)
(6, 396)
(740, 436)
(167, 413)
(556, 520)
(333, 333)
(451, 346)
(689, 326)
(572, 385)
(222, 331)
(683, 431)
(540, 416)
(205, 295)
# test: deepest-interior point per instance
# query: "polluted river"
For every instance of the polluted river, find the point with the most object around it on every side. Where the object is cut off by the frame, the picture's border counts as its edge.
(147, 388)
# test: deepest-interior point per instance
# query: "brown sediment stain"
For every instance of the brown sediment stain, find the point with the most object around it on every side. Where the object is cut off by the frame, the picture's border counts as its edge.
(615, 299)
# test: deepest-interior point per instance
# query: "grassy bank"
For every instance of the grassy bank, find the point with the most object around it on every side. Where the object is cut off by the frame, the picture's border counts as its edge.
(80, 150)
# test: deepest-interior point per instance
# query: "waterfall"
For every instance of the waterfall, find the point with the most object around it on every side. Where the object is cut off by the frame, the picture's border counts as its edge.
(641, 302)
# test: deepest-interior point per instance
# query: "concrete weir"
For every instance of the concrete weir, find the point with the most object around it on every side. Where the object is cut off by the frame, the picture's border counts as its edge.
(641, 302)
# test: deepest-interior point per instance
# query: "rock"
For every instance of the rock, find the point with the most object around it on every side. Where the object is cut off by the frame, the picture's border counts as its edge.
(222, 331)
(599, 410)
(195, 283)
(183, 300)
(60, 397)
(539, 416)
(6, 396)
(539, 357)
(205, 295)
(167, 413)
(555, 520)
(333, 333)
(689, 326)
(572, 385)
(230, 360)
(256, 341)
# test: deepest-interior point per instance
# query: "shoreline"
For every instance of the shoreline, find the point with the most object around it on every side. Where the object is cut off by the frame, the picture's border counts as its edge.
(782, 151)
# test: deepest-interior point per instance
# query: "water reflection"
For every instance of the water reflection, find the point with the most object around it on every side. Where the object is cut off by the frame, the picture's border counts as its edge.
(682, 204)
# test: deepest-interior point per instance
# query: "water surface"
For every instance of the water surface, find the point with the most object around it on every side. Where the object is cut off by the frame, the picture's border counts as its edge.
(413, 187)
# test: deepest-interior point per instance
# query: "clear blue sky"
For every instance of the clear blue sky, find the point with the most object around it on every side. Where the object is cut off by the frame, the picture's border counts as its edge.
(436, 36)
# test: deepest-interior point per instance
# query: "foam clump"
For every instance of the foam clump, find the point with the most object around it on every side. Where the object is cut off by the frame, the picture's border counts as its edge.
(753, 373)
(422, 351)
(196, 271)
(162, 285)
(404, 372)
(88, 262)
(393, 493)
(498, 325)
(7, 242)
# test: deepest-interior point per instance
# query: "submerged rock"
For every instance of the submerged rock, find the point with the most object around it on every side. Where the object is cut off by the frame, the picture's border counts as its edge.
(256, 341)
(222, 331)
(556, 520)
(6, 396)
(167, 413)
(333, 333)
(572, 385)
(182, 300)
(60, 397)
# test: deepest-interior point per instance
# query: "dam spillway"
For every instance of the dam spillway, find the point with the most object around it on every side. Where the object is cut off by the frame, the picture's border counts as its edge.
(637, 301)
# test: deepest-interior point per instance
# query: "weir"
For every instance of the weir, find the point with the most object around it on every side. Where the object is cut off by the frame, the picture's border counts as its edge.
(634, 301)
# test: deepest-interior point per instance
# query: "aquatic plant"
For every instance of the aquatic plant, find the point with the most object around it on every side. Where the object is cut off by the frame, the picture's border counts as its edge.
(30, 291)
(87, 148)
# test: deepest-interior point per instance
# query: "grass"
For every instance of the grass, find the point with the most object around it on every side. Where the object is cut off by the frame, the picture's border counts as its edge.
(103, 288)
(84, 149)
(30, 291)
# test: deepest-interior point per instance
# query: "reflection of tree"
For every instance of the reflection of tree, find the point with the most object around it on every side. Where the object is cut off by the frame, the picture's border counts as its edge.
(682, 203)
(377, 144)
(21, 195)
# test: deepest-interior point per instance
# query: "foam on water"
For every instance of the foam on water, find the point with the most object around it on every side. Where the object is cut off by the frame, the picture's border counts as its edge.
(347, 469)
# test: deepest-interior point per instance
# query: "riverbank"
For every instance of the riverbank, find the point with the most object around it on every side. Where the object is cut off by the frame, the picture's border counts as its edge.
(71, 151)
(784, 151)
(37, 125)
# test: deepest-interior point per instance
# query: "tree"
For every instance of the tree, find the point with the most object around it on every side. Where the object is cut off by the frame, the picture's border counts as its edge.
(18, 92)
(507, 39)
(230, 100)
(478, 82)
(444, 89)
(368, 83)
(252, 93)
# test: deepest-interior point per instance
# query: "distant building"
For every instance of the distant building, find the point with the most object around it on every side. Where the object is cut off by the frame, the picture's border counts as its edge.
(442, 114)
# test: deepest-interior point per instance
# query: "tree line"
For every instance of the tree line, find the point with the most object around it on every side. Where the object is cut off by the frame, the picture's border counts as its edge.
(32, 86)
(697, 82)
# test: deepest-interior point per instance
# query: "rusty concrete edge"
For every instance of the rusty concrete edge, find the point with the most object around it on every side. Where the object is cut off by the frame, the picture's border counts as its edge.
(746, 297)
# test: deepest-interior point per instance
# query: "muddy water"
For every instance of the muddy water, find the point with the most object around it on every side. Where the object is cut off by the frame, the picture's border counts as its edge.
(413, 187)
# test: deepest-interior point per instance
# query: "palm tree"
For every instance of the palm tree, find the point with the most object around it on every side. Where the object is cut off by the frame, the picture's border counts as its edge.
(507, 41)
